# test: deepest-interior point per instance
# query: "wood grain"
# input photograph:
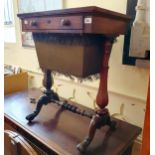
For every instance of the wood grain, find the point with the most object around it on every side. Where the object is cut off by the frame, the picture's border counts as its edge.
(60, 131)
(53, 23)
(81, 10)
(102, 21)
(15, 144)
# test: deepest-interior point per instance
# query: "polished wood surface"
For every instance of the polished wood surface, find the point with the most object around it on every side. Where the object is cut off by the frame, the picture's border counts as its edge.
(102, 95)
(61, 130)
(56, 23)
(76, 20)
(15, 144)
(81, 10)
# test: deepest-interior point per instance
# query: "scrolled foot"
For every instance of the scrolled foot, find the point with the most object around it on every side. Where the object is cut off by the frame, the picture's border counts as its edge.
(30, 117)
(82, 147)
(42, 101)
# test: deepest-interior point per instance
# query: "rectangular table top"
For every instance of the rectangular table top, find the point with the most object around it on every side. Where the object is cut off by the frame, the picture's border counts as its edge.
(62, 130)
(91, 10)
(92, 20)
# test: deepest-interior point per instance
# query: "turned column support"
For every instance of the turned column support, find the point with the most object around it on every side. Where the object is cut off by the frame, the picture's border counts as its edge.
(102, 116)
(48, 95)
(47, 80)
(102, 95)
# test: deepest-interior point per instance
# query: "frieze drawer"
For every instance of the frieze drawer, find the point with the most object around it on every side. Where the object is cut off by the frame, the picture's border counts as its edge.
(53, 23)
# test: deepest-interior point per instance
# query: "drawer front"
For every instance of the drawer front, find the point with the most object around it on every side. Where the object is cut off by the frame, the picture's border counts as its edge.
(53, 23)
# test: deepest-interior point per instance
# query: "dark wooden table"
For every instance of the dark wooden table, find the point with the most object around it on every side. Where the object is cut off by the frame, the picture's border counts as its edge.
(59, 131)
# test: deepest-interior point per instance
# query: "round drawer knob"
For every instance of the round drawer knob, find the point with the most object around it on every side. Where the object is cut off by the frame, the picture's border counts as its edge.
(34, 23)
(49, 21)
(65, 22)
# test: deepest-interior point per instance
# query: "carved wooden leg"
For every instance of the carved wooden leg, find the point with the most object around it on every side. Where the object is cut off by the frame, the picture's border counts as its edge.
(102, 116)
(46, 98)
(102, 96)
(96, 122)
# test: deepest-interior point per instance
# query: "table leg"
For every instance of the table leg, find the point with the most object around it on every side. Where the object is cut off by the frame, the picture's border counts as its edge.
(102, 116)
(46, 97)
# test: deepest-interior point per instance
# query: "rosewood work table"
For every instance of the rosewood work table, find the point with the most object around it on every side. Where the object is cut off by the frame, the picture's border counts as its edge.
(75, 42)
